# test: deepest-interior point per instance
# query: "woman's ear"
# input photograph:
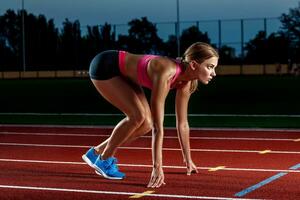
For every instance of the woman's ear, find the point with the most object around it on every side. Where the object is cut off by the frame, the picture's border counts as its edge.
(192, 65)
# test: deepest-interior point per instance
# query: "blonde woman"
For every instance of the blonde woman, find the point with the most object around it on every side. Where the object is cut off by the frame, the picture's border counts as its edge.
(119, 77)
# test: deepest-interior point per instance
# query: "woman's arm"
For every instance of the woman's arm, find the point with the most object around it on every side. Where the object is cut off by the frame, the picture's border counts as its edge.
(157, 103)
(181, 107)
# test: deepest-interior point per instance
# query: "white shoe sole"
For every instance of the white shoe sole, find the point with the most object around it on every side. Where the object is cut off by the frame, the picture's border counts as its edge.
(98, 170)
(101, 173)
(85, 159)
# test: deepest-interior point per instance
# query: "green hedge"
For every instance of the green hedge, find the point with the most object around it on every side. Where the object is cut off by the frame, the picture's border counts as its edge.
(199, 121)
(225, 95)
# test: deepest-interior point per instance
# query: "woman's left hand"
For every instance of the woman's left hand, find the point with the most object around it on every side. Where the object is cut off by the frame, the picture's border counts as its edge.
(157, 178)
(191, 168)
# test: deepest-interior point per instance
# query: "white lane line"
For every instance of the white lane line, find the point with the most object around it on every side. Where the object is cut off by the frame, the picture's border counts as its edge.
(114, 192)
(148, 166)
(224, 129)
(167, 114)
(168, 137)
(148, 148)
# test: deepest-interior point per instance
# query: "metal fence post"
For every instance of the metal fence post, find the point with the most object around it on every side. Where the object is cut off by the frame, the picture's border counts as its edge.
(242, 46)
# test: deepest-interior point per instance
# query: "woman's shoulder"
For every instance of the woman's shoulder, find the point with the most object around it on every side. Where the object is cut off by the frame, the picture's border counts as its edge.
(163, 64)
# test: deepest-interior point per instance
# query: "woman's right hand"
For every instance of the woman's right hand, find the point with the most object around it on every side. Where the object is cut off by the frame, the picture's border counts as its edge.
(191, 168)
(157, 178)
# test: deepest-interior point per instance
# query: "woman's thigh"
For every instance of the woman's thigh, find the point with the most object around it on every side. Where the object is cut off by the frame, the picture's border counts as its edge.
(142, 97)
(121, 94)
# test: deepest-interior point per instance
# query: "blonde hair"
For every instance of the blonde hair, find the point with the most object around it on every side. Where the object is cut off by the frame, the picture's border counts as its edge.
(199, 52)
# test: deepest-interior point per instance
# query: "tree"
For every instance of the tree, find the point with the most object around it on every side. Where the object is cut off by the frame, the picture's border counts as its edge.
(190, 36)
(256, 49)
(273, 49)
(277, 48)
(51, 44)
(40, 40)
(108, 38)
(291, 27)
(97, 39)
(6, 55)
(91, 45)
(10, 38)
(291, 23)
(142, 37)
(70, 40)
(227, 55)
(170, 47)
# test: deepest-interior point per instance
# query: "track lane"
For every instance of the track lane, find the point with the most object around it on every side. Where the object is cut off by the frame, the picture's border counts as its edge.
(222, 183)
(207, 158)
(288, 143)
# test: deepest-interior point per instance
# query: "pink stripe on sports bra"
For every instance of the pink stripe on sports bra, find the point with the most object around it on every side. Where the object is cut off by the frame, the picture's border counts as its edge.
(122, 56)
(142, 73)
(178, 71)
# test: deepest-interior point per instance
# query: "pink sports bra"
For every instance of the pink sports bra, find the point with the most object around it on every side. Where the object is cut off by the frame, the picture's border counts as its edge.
(142, 65)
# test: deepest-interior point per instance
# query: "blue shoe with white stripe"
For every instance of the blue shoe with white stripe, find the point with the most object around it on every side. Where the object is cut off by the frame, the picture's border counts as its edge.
(108, 168)
(90, 157)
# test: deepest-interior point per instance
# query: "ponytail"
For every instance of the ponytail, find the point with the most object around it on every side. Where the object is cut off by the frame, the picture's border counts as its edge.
(184, 64)
(194, 86)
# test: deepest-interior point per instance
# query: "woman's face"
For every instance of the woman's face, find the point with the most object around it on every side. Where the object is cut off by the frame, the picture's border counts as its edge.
(205, 71)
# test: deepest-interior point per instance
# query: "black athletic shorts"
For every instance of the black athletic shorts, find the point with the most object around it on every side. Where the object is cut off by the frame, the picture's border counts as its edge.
(105, 65)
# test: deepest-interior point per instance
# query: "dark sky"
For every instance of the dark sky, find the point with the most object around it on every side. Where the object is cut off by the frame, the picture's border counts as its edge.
(97, 12)
(92, 12)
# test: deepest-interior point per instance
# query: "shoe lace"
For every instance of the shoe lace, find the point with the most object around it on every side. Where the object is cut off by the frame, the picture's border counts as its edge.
(113, 167)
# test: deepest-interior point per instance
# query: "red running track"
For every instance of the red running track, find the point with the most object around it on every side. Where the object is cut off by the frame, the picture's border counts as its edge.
(45, 163)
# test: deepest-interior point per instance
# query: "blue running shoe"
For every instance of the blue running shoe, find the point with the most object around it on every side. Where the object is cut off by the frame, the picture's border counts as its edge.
(108, 168)
(90, 157)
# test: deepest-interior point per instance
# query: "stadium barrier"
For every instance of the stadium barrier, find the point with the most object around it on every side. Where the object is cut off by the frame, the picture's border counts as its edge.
(268, 69)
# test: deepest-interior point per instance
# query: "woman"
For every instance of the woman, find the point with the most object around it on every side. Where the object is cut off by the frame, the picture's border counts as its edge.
(124, 74)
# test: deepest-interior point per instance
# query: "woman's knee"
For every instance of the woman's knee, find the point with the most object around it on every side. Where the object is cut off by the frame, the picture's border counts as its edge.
(137, 117)
(145, 127)
(148, 124)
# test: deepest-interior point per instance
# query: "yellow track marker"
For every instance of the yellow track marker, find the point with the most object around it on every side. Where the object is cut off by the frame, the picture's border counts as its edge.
(136, 196)
(265, 152)
(216, 168)
(297, 140)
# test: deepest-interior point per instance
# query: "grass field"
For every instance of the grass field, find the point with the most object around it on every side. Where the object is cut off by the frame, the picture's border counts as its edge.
(242, 95)
(227, 121)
